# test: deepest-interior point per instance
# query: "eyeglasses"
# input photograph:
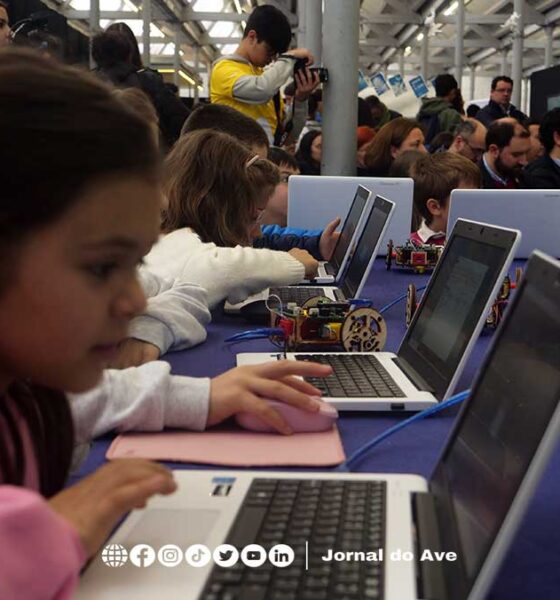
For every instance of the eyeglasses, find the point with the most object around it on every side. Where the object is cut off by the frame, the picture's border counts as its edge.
(477, 152)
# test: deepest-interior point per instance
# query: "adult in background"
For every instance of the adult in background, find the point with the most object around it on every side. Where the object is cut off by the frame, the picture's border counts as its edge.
(440, 115)
(506, 156)
(380, 113)
(391, 140)
(544, 173)
(171, 110)
(240, 81)
(309, 154)
(537, 149)
(500, 104)
(470, 140)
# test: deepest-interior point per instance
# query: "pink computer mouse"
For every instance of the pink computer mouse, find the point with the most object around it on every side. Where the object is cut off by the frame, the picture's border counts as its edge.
(298, 419)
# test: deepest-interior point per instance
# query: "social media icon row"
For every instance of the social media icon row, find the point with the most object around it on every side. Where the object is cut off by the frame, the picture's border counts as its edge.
(197, 555)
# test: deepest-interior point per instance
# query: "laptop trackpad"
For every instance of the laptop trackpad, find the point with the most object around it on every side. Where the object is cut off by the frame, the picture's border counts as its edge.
(158, 527)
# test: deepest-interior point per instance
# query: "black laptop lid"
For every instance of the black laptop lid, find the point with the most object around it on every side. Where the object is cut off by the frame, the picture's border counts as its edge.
(453, 303)
(349, 228)
(499, 430)
(369, 241)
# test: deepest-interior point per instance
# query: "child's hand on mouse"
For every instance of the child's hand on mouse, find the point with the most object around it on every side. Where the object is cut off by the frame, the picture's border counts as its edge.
(95, 504)
(329, 238)
(242, 390)
(133, 353)
(311, 265)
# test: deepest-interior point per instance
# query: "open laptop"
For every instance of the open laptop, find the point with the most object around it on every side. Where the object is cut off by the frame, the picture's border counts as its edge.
(536, 213)
(330, 271)
(440, 338)
(315, 201)
(472, 504)
(352, 280)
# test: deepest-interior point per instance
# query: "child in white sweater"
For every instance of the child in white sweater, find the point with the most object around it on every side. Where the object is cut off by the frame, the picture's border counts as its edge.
(216, 191)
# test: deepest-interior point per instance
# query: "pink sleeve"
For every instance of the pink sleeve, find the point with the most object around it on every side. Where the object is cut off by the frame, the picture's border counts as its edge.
(41, 553)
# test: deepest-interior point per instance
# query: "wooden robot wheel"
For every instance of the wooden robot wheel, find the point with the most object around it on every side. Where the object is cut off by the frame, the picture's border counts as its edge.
(315, 301)
(363, 330)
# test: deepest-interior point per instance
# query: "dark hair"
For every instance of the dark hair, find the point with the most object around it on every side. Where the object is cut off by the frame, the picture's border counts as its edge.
(227, 120)
(443, 139)
(437, 175)
(445, 84)
(303, 156)
(109, 48)
(373, 102)
(134, 57)
(465, 129)
(66, 131)
(271, 26)
(497, 80)
(378, 156)
(290, 89)
(473, 110)
(549, 126)
(501, 134)
(403, 163)
(313, 103)
(364, 114)
(279, 157)
(4, 5)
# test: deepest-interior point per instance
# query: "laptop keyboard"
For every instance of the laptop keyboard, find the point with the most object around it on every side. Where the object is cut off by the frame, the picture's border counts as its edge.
(353, 376)
(345, 516)
(296, 294)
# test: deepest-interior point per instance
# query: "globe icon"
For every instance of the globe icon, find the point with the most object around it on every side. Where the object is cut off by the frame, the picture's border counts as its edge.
(114, 555)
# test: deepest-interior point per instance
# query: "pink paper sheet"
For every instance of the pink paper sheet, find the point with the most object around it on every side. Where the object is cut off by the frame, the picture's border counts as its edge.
(233, 447)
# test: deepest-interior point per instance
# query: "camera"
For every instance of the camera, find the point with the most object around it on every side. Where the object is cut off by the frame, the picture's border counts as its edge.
(301, 65)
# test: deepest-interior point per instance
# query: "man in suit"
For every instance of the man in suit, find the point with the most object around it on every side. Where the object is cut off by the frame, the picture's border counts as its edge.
(500, 104)
(544, 173)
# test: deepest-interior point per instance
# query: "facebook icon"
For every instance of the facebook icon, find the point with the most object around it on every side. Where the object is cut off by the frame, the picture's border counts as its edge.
(142, 555)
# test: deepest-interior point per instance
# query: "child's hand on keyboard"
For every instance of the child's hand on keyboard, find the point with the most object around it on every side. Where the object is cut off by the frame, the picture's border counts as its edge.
(244, 389)
(329, 238)
(310, 264)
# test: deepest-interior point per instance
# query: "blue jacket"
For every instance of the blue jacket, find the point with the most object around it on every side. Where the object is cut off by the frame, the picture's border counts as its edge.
(275, 237)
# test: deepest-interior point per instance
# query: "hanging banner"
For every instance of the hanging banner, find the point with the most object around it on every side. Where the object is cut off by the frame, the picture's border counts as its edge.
(418, 86)
(363, 83)
(397, 84)
(379, 82)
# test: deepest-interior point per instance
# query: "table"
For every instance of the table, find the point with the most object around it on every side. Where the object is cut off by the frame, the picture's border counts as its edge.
(532, 566)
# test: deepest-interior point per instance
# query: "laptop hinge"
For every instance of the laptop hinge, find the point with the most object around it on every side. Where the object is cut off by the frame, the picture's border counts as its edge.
(429, 564)
(413, 375)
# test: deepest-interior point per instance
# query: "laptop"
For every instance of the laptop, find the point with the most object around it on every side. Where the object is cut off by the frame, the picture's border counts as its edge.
(439, 339)
(315, 201)
(351, 282)
(536, 213)
(331, 271)
(471, 506)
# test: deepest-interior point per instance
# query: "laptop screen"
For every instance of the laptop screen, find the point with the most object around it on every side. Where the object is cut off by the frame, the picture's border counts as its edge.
(349, 227)
(498, 433)
(366, 248)
(454, 302)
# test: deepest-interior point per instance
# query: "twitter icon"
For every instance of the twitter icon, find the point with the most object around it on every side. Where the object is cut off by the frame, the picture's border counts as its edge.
(226, 555)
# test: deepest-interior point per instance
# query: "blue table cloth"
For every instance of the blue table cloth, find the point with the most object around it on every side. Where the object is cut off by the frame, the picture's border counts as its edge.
(531, 569)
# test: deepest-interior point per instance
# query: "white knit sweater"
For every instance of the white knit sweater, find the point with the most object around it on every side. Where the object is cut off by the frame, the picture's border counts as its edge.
(230, 274)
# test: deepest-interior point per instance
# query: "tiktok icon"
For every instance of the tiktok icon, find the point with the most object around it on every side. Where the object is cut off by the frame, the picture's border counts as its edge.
(198, 555)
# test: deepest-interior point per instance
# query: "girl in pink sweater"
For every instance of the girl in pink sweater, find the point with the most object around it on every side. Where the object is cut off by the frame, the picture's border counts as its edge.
(79, 208)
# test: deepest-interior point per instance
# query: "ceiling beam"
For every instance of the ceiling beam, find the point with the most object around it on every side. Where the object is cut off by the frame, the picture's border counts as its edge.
(190, 15)
(206, 39)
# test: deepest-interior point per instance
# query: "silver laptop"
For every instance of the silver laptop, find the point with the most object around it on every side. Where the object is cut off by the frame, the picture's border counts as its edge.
(440, 338)
(331, 271)
(467, 512)
(536, 213)
(352, 281)
(315, 201)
